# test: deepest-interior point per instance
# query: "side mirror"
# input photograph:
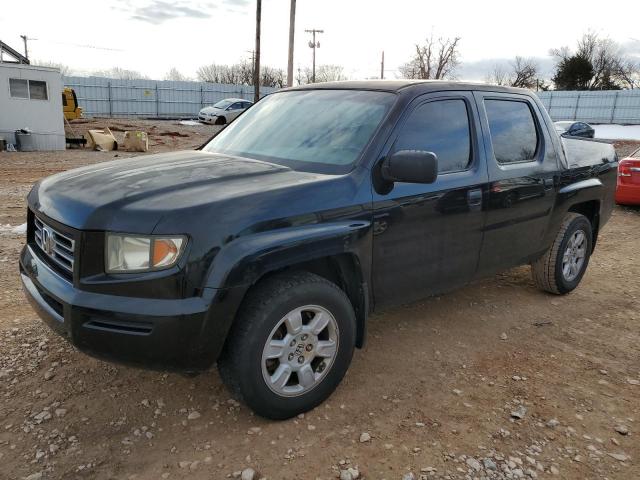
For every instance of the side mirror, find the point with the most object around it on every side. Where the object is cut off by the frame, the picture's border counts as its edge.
(410, 166)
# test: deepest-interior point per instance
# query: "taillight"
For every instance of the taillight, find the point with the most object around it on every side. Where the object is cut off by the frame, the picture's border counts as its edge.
(628, 167)
(624, 168)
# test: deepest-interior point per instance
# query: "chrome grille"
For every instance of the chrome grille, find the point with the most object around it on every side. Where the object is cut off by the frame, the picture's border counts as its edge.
(55, 245)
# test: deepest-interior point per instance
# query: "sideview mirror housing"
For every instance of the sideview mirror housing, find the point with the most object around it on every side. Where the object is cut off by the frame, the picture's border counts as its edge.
(410, 166)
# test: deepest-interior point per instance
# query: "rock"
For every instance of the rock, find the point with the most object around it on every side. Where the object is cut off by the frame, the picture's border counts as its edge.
(516, 378)
(409, 476)
(345, 475)
(474, 464)
(248, 474)
(350, 473)
(622, 429)
(145, 403)
(554, 470)
(503, 336)
(34, 476)
(48, 375)
(184, 464)
(553, 423)
(633, 381)
(365, 437)
(519, 412)
(60, 412)
(619, 456)
(193, 415)
(489, 464)
(457, 392)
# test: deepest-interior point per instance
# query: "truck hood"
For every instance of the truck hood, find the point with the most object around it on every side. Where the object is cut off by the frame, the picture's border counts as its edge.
(132, 195)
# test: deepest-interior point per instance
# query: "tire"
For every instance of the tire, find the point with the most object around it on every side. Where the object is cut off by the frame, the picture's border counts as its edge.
(550, 272)
(267, 317)
(220, 121)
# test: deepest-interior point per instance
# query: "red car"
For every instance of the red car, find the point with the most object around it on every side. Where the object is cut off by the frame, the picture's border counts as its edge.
(628, 188)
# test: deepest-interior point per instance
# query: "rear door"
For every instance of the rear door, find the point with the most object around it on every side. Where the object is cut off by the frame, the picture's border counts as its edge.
(523, 167)
(427, 237)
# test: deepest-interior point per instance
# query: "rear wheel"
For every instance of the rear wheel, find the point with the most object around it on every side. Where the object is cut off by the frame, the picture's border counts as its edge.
(290, 345)
(562, 267)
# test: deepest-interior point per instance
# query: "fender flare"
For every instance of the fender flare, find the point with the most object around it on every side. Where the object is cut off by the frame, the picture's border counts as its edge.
(245, 259)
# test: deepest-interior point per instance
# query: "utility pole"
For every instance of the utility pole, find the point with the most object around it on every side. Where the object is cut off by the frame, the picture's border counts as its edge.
(313, 44)
(382, 67)
(26, 52)
(292, 31)
(256, 65)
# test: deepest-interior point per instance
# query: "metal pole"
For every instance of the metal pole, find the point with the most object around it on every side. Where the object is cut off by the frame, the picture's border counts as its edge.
(109, 97)
(157, 102)
(26, 52)
(382, 67)
(313, 75)
(292, 29)
(575, 111)
(613, 108)
(256, 67)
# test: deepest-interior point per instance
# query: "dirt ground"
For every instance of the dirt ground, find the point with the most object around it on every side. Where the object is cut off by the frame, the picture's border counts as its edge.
(436, 391)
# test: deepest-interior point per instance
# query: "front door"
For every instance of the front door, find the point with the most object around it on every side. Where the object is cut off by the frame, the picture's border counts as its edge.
(427, 237)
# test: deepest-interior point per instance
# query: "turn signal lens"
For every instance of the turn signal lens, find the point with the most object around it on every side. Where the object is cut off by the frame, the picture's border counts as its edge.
(128, 253)
(165, 251)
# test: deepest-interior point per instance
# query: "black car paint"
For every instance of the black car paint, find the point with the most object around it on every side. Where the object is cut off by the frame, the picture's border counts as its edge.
(387, 243)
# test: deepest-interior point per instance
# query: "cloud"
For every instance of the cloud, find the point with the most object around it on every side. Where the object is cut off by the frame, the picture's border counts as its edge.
(159, 11)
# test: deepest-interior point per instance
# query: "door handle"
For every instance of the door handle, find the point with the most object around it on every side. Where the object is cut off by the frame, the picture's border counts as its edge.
(474, 197)
(548, 183)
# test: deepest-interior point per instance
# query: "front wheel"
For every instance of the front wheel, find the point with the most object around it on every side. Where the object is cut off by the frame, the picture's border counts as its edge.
(562, 267)
(290, 346)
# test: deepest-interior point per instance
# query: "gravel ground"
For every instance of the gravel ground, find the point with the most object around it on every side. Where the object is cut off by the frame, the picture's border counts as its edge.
(496, 380)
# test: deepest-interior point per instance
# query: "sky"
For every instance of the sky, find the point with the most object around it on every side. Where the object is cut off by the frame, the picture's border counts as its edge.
(152, 36)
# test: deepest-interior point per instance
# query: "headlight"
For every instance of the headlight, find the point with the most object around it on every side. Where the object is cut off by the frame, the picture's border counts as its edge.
(128, 253)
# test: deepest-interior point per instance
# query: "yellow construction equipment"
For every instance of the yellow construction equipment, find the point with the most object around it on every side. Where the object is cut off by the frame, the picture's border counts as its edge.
(70, 104)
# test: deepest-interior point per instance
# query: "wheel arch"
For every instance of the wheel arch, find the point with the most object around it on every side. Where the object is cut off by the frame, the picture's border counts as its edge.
(336, 252)
(591, 210)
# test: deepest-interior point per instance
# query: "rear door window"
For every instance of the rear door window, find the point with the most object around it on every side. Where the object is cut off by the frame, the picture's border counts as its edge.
(513, 130)
(441, 127)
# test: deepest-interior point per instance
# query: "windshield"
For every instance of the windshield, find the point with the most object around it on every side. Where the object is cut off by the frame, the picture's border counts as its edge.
(313, 130)
(222, 104)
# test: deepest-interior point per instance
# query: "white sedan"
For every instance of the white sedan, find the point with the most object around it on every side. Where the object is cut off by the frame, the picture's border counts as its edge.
(224, 111)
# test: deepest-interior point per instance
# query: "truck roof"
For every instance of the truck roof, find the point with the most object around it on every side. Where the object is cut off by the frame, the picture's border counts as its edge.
(398, 85)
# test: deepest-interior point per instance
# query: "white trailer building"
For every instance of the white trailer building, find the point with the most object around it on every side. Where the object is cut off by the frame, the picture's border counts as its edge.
(31, 98)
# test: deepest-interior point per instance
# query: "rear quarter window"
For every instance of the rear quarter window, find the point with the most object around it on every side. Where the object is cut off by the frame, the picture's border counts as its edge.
(513, 130)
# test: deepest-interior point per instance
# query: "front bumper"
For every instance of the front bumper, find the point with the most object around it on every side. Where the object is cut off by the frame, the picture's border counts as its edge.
(183, 334)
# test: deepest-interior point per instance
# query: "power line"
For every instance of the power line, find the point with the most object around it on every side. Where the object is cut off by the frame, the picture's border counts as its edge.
(80, 45)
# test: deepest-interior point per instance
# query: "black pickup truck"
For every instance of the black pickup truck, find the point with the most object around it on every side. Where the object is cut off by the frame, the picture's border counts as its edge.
(267, 248)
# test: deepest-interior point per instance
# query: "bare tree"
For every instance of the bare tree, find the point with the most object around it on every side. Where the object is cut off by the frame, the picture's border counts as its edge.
(241, 74)
(610, 68)
(523, 73)
(435, 59)
(498, 76)
(64, 69)
(120, 74)
(175, 75)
